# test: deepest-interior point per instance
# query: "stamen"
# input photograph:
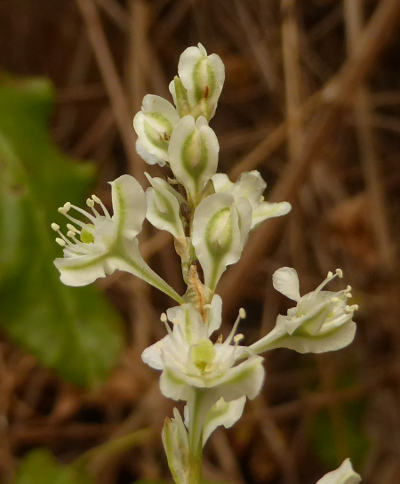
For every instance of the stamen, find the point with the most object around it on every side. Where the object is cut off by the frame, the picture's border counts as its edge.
(71, 235)
(90, 204)
(241, 315)
(84, 212)
(238, 337)
(97, 200)
(339, 273)
(55, 227)
(60, 242)
(61, 235)
(164, 319)
(72, 228)
(65, 208)
(329, 277)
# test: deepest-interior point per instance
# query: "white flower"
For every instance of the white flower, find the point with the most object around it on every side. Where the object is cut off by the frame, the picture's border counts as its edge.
(90, 245)
(220, 230)
(193, 154)
(154, 125)
(164, 207)
(201, 77)
(342, 475)
(321, 321)
(189, 360)
(97, 243)
(251, 187)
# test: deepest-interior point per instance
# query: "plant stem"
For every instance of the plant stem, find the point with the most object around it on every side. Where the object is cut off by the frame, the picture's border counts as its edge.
(198, 407)
(138, 267)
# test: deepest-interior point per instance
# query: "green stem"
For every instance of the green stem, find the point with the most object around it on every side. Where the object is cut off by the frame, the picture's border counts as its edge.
(197, 410)
(139, 267)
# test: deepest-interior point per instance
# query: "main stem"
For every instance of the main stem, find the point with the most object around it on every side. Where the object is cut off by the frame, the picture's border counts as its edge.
(196, 418)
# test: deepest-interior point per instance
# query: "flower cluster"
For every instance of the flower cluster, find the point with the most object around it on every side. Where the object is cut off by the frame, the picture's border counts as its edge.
(210, 218)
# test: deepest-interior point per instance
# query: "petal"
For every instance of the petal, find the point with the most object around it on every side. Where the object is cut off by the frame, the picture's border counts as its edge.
(344, 474)
(266, 210)
(193, 153)
(244, 379)
(188, 322)
(157, 104)
(216, 236)
(251, 186)
(154, 125)
(173, 385)
(179, 95)
(333, 340)
(223, 413)
(129, 206)
(244, 212)
(286, 281)
(81, 270)
(148, 157)
(214, 314)
(152, 355)
(221, 183)
(163, 207)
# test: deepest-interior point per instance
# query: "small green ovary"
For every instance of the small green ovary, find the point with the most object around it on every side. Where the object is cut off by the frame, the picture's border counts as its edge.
(86, 236)
(203, 354)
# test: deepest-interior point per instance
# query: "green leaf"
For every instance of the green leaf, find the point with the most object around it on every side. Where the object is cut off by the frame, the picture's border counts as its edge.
(40, 467)
(72, 330)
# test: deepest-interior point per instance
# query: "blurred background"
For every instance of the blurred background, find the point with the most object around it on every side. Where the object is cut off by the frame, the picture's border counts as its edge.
(312, 101)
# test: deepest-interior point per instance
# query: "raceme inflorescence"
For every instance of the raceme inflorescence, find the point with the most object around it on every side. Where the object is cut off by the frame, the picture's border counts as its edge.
(210, 218)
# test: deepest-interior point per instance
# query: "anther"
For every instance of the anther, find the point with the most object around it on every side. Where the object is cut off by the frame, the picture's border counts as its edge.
(237, 338)
(60, 242)
(329, 275)
(96, 199)
(55, 227)
(163, 318)
(90, 203)
(72, 228)
(242, 313)
(339, 273)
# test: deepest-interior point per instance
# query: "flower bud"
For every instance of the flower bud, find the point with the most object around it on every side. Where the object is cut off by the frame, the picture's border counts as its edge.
(163, 207)
(217, 237)
(176, 444)
(154, 125)
(193, 154)
(202, 77)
